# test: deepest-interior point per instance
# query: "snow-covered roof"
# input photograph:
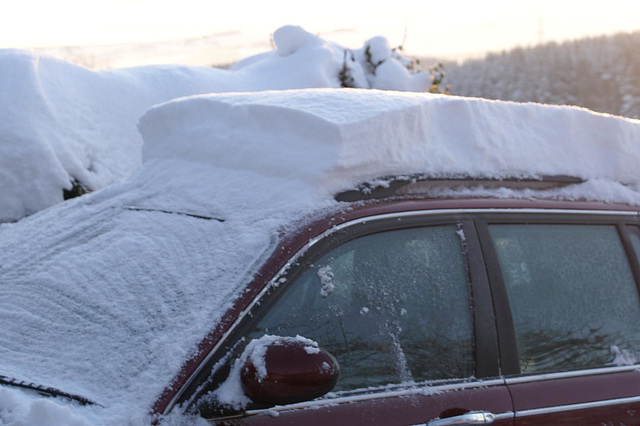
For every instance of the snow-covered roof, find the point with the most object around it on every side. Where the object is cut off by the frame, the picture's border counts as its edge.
(331, 139)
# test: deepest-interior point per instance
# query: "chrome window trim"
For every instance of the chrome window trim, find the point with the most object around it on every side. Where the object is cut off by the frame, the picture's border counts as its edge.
(398, 215)
(570, 374)
(417, 389)
(579, 406)
(505, 416)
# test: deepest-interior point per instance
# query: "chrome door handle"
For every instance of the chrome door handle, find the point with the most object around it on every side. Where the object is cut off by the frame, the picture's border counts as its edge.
(471, 418)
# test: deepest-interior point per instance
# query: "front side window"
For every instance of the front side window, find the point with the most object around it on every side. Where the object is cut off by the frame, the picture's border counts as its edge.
(392, 307)
(573, 297)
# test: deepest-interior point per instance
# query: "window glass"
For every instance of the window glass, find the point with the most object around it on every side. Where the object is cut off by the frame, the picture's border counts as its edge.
(573, 297)
(391, 307)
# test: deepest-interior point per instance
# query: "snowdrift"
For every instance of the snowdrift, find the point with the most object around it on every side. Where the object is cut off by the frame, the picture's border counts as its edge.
(63, 123)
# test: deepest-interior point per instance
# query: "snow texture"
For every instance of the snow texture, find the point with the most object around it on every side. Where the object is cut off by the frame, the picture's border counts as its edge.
(62, 122)
(330, 139)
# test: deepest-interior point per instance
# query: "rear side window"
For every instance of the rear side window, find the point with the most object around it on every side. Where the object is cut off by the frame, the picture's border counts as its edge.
(392, 307)
(573, 297)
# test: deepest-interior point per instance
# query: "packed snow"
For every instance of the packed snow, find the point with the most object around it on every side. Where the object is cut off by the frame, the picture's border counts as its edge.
(105, 296)
(346, 136)
(63, 123)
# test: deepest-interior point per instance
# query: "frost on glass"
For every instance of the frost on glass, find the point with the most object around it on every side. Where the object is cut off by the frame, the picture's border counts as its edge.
(391, 307)
(573, 297)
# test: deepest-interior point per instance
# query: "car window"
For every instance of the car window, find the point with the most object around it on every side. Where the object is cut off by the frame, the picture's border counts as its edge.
(392, 307)
(573, 297)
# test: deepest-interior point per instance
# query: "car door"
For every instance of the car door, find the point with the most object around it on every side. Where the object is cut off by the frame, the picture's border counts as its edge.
(402, 302)
(572, 336)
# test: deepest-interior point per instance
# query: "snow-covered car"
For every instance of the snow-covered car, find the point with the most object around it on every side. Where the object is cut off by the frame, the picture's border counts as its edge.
(338, 257)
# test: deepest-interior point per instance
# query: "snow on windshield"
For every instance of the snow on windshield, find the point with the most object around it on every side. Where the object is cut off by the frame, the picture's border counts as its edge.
(107, 295)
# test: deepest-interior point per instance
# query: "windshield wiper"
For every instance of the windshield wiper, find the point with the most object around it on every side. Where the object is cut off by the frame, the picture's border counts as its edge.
(45, 390)
(197, 216)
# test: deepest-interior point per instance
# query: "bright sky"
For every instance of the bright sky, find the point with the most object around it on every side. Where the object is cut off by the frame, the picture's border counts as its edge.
(438, 28)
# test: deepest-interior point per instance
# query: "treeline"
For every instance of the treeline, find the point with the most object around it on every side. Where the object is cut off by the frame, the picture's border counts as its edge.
(600, 73)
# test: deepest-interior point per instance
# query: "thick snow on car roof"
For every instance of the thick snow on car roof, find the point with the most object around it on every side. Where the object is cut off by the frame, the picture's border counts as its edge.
(107, 295)
(333, 138)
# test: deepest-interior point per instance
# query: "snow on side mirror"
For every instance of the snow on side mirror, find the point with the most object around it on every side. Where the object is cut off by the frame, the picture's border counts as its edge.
(285, 370)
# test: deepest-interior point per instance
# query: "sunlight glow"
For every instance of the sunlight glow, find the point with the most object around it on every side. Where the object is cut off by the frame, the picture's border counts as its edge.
(426, 27)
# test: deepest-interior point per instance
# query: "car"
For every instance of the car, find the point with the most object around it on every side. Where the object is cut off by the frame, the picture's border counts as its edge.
(342, 257)
(461, 311)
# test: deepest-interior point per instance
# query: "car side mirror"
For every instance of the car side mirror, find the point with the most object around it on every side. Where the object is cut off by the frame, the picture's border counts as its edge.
(286, 370)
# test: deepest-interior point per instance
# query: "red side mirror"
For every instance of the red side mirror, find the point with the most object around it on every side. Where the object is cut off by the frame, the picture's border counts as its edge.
(286, 370)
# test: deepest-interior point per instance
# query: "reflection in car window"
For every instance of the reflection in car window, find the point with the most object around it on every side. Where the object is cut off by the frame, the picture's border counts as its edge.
(573, 297)
(391, 307)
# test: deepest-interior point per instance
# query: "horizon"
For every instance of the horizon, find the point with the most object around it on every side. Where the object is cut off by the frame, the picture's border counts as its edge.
(423, 28)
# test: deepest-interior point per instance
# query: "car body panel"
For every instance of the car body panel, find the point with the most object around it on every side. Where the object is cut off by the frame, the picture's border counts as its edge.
(402, 408)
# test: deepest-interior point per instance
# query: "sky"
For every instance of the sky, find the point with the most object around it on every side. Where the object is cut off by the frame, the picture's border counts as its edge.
(451, 30)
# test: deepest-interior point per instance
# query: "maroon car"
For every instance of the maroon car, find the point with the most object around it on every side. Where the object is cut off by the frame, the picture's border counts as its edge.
(414, 310)
(337, 257)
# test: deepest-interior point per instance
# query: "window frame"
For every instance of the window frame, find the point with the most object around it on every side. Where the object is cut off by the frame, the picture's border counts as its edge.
(591, 395)
(507, 341)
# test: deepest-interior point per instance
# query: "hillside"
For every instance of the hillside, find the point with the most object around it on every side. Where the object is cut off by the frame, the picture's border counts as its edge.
(602, 74)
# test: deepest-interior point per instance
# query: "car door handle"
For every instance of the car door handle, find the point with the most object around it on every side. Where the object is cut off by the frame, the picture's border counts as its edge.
(472, 418)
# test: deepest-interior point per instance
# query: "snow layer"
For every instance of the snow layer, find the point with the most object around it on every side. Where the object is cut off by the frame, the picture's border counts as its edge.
(331, 139)
(62, 122)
